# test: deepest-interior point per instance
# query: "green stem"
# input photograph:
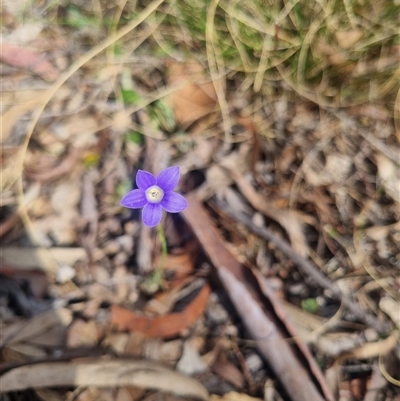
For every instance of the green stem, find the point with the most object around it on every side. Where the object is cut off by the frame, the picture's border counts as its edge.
(157, 276)
(161, 235)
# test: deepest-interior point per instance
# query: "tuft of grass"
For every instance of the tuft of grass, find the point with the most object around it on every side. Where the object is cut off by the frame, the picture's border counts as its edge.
(296, 43)
(293, 45)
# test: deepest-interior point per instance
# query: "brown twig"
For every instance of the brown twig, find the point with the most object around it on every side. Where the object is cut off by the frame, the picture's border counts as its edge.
(308, 268)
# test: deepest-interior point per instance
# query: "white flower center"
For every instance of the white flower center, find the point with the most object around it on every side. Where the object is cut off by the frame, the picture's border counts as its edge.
(154, 194)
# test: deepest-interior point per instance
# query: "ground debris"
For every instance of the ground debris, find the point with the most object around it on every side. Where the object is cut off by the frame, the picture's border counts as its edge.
(283, 271)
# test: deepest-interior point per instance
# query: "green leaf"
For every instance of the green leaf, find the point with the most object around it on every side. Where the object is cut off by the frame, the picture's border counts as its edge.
(162, 115)
(309, 305)
(129, 96)
(76, 18)
(134, 137)
(123, 188)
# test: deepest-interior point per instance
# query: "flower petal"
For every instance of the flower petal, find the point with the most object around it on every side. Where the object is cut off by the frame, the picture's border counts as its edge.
(152, 214)
(144, 179)
(168, 179)
(173, 202)
(134, 199)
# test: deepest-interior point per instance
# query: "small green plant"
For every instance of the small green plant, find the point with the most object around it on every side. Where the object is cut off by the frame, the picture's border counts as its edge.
(310, 305)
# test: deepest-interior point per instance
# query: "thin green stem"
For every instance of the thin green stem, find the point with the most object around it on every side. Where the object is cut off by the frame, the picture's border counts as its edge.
(161, 236)
(158, 272)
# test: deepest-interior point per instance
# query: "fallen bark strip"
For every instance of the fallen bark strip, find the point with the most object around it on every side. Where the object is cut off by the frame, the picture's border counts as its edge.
(257, 313)
(308, 268)
(143, 374)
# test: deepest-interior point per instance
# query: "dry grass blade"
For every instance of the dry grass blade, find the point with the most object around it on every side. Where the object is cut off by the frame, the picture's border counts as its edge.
(372, 350)
(143, 374)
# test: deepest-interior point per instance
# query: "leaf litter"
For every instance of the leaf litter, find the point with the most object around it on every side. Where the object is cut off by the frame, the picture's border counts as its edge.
(265, 161)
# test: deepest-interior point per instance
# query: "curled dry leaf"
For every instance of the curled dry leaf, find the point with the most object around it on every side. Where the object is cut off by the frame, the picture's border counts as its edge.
(161, 326)
(143, 374)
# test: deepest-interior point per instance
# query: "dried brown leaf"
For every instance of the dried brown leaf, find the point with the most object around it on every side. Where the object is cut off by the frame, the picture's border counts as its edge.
(20, 57)
(193, 100)
(161, 326)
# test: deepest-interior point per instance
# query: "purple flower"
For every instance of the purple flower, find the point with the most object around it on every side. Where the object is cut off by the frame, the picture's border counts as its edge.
(154, 194)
